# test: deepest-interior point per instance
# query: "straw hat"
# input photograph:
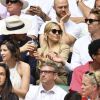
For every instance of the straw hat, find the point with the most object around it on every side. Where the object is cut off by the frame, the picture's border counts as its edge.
(14, 25)
(25, 3)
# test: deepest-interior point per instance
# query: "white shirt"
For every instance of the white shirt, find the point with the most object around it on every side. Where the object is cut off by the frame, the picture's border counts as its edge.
(80, 54)
(74, 9)
(3, 11)
(70, 28)
(38, 93)
(45, 5)
(34, 27)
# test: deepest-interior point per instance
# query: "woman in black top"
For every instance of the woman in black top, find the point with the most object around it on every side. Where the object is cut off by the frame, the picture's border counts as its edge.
(5, 84)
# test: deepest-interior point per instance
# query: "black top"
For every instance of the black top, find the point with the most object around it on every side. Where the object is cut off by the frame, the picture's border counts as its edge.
(11, 96)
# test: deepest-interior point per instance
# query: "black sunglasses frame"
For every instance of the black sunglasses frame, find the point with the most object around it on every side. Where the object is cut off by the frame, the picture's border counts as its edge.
(12, 1)
(55, 31)
(92, 74)
(90, 21)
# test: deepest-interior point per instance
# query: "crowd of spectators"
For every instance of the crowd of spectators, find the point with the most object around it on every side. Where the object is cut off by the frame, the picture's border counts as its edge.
(50, 49)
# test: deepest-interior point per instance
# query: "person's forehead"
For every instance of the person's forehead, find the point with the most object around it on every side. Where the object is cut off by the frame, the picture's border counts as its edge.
(2, 70)
(60, 2)
(92, 16)
(47, 68)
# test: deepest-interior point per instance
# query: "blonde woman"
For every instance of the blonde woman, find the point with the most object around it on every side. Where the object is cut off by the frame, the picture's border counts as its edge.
(52, 47)
(91, 85)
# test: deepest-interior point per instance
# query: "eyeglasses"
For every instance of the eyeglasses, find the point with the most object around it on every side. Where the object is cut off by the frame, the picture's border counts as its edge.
(92, 74)
(46, 71)
(54, 31)
(90, 21)
(12, 1)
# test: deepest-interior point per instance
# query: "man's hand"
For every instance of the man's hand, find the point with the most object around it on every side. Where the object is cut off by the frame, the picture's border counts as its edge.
(66, 17)
(35, 10)
(27, 47)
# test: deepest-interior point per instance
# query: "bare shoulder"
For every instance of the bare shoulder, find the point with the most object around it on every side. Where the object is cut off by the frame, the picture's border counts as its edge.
(23, 66)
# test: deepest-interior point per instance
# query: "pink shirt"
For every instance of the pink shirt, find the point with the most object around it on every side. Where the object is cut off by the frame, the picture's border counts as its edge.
(76, 81)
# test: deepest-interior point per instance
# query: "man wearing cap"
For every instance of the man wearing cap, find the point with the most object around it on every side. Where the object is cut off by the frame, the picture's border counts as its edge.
(14, 7)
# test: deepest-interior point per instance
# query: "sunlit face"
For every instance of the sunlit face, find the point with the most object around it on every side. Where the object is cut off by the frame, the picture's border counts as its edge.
(61, 8)
(47, 75)
(14, 8)
(54, 36)
(97, 3)
(87, 87)
(5, 53)
(95, 26)
(2, 76)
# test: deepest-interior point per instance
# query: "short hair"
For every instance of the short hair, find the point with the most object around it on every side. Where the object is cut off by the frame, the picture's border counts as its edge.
(50, 64)
(73, 96)
(96, 12)
(13, 48)
(93, 47)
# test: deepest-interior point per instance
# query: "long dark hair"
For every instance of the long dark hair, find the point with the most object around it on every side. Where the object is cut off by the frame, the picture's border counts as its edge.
(7, 87)
(12, 45)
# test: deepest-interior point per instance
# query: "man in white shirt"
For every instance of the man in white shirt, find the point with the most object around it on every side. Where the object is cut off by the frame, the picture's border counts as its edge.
(71, 30)
(47, 90)
(80, 54)
(80, 49)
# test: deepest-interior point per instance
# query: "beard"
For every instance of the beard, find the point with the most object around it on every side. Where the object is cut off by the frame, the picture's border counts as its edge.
(61, 14)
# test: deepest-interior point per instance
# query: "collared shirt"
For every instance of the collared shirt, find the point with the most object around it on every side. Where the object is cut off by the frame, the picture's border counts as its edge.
(39, 93)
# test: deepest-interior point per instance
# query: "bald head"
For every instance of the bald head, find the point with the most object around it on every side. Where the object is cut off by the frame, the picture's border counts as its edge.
(56, 2)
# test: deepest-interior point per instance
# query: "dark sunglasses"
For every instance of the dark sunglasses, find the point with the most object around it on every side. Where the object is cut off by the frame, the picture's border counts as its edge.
(92, 74)
(90, 21)
(46, 71)
(12, 1)
(54, 31)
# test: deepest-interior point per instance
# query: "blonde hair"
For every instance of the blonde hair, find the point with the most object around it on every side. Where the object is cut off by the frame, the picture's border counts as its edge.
(49, 26)
(97, 75)
(94, 77)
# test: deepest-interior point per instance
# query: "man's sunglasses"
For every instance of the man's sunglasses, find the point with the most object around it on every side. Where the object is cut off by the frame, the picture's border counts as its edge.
(92, 74)
(54, 31)
(90, 21)
(12, 1)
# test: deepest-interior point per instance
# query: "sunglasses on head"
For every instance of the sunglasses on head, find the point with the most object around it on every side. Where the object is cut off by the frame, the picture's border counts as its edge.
(90, 21)
(12, 1)
(92, 74)
(54, 31)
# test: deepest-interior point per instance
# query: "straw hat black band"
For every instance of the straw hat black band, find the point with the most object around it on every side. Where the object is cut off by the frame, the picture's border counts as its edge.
(15, 28)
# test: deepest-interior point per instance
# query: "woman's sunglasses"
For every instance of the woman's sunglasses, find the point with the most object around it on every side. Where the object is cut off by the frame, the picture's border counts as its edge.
(92, 74)
(54, 31)
(90, 21)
